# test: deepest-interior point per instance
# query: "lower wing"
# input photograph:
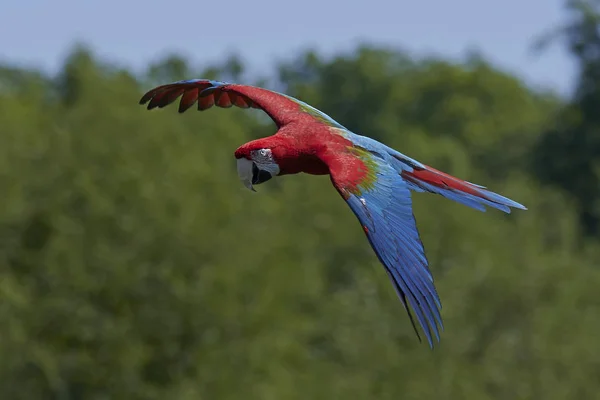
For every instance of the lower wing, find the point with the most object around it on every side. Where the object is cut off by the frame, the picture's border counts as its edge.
(384, 211)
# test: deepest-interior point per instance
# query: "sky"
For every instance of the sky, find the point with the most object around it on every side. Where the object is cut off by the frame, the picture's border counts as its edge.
(40, 33)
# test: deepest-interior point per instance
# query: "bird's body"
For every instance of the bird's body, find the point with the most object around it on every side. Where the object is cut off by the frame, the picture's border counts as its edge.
(374, 179)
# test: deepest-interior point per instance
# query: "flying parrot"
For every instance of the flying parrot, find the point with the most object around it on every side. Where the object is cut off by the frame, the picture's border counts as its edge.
(373, 179)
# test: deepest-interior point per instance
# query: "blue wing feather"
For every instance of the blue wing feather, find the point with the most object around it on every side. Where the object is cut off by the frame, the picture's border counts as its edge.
(385, 211)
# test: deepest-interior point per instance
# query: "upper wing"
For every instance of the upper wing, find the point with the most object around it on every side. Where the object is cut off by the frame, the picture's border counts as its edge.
(280, 107)
(381, 200)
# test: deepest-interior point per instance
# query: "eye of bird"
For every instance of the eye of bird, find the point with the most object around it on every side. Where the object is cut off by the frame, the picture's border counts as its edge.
(263, 154)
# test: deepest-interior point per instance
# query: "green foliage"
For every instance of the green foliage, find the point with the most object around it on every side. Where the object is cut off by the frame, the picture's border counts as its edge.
(134, 265)
(568, 154)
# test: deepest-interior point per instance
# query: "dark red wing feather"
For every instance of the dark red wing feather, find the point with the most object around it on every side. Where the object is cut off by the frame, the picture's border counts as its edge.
(222, 99)
(191, 90)
(189, 99)
(204, 103)
(281, 108)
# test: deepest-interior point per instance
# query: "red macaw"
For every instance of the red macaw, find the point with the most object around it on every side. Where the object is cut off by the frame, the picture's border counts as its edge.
(374, 179)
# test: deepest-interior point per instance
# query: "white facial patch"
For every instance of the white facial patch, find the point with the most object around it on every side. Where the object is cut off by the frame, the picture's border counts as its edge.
(244, 170)
(264, 160)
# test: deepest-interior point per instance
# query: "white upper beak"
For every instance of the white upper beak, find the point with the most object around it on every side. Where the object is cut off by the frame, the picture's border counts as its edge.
(244, 170)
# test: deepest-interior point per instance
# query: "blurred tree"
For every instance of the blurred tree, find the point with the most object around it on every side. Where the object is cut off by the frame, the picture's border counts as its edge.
(172, 68)
(133, 265)
(232, 68)
(568, 154)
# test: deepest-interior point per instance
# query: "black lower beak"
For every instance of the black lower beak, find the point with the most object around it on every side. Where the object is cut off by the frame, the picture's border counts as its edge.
(259, 175)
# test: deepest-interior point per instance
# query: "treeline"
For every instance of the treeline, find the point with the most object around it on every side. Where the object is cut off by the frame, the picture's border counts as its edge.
(134, 265)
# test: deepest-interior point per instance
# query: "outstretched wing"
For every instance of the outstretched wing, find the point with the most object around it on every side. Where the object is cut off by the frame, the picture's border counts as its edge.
(381, 200)
(162, 96)
(281, 108)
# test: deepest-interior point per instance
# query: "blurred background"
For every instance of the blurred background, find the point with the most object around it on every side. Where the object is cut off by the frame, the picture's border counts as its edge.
(134, 264)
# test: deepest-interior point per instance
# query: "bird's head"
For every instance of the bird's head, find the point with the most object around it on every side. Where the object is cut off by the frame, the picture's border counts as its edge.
(255, 166)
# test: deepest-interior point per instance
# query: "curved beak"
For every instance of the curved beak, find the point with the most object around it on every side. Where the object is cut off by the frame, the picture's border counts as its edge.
(244, 170)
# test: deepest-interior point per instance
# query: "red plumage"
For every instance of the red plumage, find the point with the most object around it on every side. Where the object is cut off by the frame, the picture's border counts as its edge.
(302, 143)
(440, 179)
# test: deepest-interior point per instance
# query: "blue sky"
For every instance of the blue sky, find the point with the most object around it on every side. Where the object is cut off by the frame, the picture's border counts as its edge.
(135, 32)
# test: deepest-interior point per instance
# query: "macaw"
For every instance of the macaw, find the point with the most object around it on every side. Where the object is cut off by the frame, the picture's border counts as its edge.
(374, 180)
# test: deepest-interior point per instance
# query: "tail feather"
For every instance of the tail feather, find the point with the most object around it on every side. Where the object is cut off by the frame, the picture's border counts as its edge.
(469, 194)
